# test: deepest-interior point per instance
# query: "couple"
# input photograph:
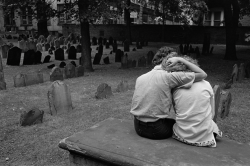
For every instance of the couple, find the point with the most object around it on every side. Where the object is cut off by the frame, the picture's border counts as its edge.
(175, 82)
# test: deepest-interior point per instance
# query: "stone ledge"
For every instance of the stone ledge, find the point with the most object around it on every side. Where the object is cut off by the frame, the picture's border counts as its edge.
(114, 142)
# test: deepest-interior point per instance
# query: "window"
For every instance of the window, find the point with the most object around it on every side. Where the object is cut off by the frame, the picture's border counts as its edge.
(217, 20)
(64, 17)
(26, 17)
(208, 19)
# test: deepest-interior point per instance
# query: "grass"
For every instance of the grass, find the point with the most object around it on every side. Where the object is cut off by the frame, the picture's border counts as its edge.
(38, 144)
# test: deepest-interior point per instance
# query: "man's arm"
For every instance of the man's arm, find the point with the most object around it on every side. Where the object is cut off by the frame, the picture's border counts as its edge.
(199, 73)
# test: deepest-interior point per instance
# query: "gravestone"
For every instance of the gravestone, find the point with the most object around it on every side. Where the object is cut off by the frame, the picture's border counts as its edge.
(226, 103)
(79, 71)
(181, 48)
(29, 57)
(235, 73)
(217, 91)
(79, 48)
(72, 53)
(59, 54)
(126, 45)
(57, 44)
(122, 86)
(32, 45)
(118, 55)
(59, 98)
(33, 78)
(62, 64)
(70, 71)
(134, 62)
(111, 40)
(14, 56)
(31, 117)
(52, 48)
(124, 61)
(37, 57)
(94, 41)
(39, 47)
(242, 73)
(5, 49)
(47, 59)
(106, 60)
(150, 57)
(56, 74)
(114, 47)
(103, 91)
(107, 45)
(142, 62)
(97, 59)
(100, 39)
(100, 50)
(73, 63)
(19, 80)
(47, 46)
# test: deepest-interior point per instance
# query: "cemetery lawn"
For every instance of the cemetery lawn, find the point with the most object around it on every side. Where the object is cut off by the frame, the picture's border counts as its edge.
(38, 144)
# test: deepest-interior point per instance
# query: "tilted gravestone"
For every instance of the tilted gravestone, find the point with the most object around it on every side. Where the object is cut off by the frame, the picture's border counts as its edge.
(56, 74)
(47, 59)
(123, 86)
(103, 91)
(38, 57)
(14, 56)
(5, 49)
(79, 48)
(142, 62)
(29, 57)
(47, 46)
(94, 41)
(242, 73)
(106, 60)
(150, 57)
(235, 73)
(124, 61)
(226, 103)
(59, 54)
(70, 71)
(97, 59)
(19, 80)
(79, 71)
(72, 53)
(118, 55)
(126, 45)
(59, 98)
(33, 78)
(31, 117)
(217, 91)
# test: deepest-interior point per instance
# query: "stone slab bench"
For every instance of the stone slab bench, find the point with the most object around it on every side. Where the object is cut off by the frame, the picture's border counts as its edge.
(114, 142)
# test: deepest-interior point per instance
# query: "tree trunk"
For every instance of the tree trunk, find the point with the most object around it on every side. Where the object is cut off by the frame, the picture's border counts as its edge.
(85, 42)
(231, 9)
(42, 27)
(128, 21)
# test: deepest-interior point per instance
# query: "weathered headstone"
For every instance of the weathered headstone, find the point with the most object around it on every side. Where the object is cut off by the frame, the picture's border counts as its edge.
(235, 73)
(31, 117)
(97, 59)
(62, 64)
(79, 48)
(242, 73)
(59, 98)
(19, 80)
(33, 78)
(103, 91)
(217, 91)
(118, 55)
(124, 61)
(59, 54)
(142, 62)
(72, 53)
(5, 49)
(106, 60)
(126, 45)
(38, 57)
(123, 86)
(56, 74)
(70, 71)
(79, 71)
(29, 57)
(14, 56)
(226, 103)
(150, 57)
(47, 59)
(47, 46)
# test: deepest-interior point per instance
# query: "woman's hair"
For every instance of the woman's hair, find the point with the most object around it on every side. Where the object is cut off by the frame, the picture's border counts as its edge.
(178, 66)
(161, 54)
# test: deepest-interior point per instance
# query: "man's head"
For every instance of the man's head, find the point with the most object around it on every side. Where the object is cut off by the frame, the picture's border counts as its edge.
(178, 66)
(161, 54)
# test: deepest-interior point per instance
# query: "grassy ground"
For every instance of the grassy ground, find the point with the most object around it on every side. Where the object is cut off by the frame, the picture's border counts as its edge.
(38, 144)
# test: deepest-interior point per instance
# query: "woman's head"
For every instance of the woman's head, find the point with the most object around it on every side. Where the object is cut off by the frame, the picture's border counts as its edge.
(178, 66)
(161, 54)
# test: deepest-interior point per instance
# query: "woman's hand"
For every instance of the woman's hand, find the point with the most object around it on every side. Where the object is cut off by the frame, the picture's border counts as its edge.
(172, 61)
